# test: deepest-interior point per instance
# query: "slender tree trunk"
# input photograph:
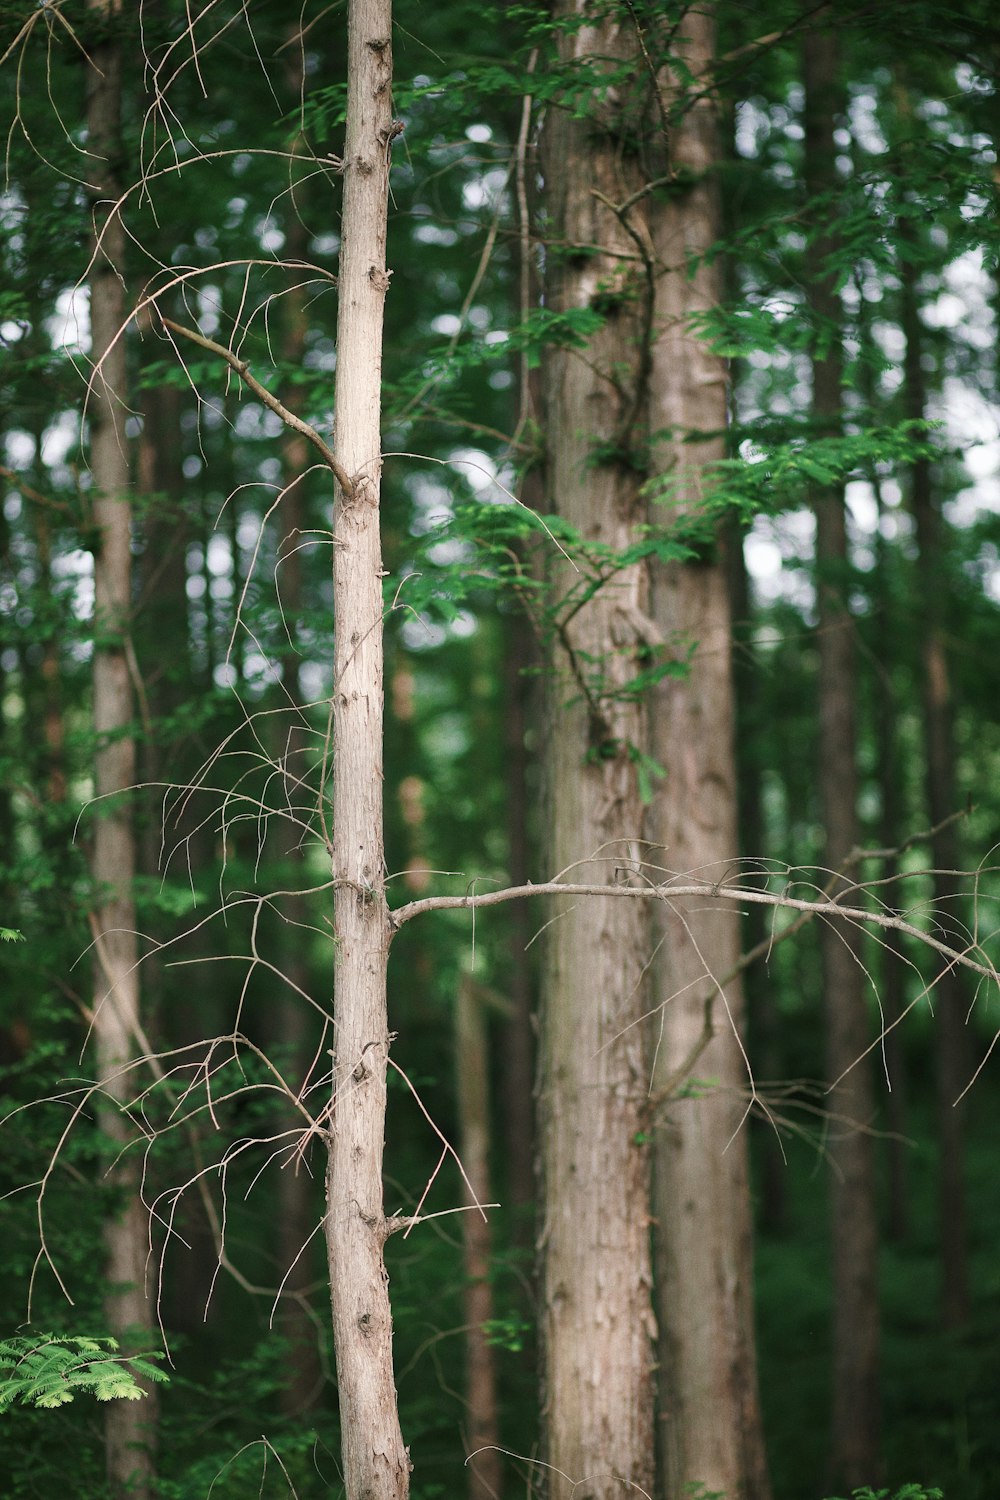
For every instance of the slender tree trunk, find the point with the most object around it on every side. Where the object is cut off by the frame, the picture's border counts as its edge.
(129, 1426)
(296, 1033)
(375, 1463)
(710, 1430)
(518, 1040)
(596, 1325)
(854, 1454)
(892, 989)
(485, 1466)
(763, 1017)
(951, 1049)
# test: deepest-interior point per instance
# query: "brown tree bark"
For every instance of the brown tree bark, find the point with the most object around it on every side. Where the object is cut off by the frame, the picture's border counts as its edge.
(375, 1463)
(129, 1426)
(854, 1439)
(596, 1325)
(710, 1425)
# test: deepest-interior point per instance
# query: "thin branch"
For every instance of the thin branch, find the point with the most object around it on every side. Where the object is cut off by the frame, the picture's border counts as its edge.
(667, 891)
(289, 418)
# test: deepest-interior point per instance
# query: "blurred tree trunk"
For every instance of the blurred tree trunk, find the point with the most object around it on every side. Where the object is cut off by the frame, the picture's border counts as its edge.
(854, 1444)
(129, 1426)
(596, 1322)
(763, 1017)
(484, 1465)
(892, 987)
(375, 1463)
(518, 1039)
(709, 1409)
(951, 1005)
(296, 1034)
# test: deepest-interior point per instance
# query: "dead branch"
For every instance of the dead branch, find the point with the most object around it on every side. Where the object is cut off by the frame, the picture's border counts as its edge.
(289, 418)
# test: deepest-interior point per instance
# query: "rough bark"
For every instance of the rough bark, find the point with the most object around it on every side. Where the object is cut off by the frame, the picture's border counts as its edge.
(129, 1426)
(596, 1325)
(375, 1462)
(709, 1419)
(854, 1441)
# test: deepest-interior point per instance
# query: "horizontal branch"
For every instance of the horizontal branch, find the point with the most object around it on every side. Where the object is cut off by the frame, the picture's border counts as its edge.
(278, 407)
(701, 889)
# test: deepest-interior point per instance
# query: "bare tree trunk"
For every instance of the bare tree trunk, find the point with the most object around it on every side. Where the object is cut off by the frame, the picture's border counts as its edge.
(951, 1051)
(518, 1039)
(709, 1408)
(485, 1467)
(764, 1028)
(129, 1426)
(892, 990)
(854, 1457)
(375, 1462)
(596, 1324)
(295, 1030)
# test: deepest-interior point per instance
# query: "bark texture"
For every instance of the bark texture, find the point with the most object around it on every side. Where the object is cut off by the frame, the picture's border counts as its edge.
(596, 1321)
(854, 1439)
(375, 1462)
(710, 1425)
(129, 1426)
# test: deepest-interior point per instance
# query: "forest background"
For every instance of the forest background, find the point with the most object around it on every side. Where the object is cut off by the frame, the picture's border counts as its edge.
(796, 410)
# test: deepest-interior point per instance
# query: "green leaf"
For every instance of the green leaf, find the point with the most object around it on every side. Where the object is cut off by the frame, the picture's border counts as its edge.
(47, 1371)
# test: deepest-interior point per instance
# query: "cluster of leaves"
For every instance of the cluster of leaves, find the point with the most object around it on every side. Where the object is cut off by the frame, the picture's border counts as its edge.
(49, 1371)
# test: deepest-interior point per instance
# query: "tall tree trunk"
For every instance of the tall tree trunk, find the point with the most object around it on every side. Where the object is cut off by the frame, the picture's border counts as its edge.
(596, 1324)
(484, 1465)
(951, 1050)
(517, 1056)
(375, 1463)
(892, 987)
(854, 1443)
(763, 1017)
(709, 1408)
(294, 1021)
(129, 1426)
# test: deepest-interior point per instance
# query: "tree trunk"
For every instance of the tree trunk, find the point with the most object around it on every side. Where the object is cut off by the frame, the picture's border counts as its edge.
(951, 1005)
(710, 1430)
(129, 1426)
(375, 1463)
(596, 1325)
(296, 1033)
(892, 987)
(517, 1056)
(854, 1443)
(764, 1029)
(484, 1465)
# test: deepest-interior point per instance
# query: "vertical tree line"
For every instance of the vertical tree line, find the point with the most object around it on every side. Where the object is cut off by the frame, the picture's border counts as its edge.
(305, 437)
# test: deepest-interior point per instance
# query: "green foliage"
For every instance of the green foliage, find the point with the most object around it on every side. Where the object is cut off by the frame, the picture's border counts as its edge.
(508, 1333)
(908, 1492)
(50, 1370)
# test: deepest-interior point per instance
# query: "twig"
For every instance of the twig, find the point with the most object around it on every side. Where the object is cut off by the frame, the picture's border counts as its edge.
(289, 418)
(702, 889)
